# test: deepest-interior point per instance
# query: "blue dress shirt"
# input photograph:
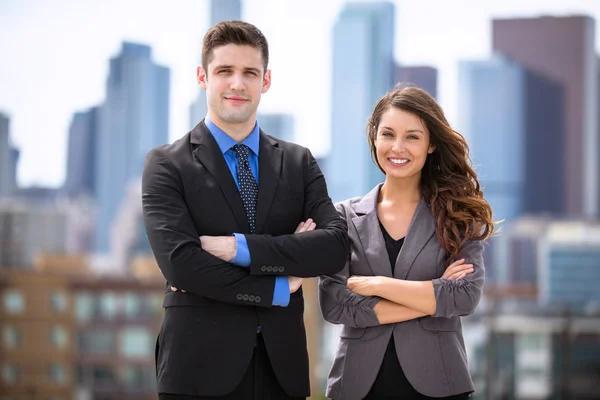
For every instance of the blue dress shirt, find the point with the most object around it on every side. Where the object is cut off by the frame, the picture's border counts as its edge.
(281, 295)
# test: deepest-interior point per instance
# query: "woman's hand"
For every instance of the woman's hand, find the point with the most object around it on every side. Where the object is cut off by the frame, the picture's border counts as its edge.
(458, 270)
(364, 285)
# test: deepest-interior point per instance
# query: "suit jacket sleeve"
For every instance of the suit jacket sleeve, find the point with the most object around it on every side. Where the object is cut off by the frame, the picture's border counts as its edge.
(307, 254)
(340, 305)
(460, 297)
(176, 244)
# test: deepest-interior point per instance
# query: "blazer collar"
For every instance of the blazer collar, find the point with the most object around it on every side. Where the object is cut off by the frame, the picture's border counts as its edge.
(269, 168)
(420, 231)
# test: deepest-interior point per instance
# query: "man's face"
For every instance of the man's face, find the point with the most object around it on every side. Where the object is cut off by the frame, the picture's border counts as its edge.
(234, 83)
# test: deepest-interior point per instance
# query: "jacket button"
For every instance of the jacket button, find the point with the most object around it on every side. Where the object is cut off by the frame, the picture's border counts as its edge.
(239, 296)
(251, 297)
(269, 268)
(263, 268)
(257, 299)
(245, 297)
(281, 269)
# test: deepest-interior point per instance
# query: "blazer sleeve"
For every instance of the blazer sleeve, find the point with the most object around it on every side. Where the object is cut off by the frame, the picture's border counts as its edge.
(461, 297)
(176, 244)
(308, 254)
(339, 304)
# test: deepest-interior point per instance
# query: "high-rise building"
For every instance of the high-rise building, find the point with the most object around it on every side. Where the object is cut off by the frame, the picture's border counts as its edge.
(15, 154)
(27, 231)
(81, 155)
(363, 71)
(6, 162)
(423, 77)
(220, 10)
(513, 119)
(568, 272)
(492, 118)
(133, 119)
(562, 49)
(279, 125)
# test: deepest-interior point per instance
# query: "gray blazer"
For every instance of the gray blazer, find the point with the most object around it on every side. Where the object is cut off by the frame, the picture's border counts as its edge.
(430, 349)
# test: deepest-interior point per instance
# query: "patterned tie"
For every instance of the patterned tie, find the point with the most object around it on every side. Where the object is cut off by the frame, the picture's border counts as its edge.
(247, 183)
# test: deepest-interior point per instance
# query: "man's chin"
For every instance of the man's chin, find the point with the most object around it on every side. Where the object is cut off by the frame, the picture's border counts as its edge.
(237, 118)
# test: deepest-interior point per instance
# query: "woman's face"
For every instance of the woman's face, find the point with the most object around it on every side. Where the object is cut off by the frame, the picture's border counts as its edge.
(402, 144)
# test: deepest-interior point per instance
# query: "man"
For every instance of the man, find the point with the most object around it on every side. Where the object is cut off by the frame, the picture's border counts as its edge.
(220, 207)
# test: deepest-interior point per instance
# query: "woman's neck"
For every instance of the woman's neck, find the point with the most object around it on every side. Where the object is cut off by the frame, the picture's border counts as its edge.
(396, 192)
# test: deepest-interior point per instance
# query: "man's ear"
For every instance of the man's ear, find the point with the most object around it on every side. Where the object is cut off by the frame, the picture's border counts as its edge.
(201, 76)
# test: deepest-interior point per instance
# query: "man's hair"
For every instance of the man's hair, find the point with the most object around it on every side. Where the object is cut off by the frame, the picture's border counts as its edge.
(233, 32)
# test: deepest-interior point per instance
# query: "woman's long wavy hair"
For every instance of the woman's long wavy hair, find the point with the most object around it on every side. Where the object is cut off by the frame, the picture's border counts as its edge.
(448, 182)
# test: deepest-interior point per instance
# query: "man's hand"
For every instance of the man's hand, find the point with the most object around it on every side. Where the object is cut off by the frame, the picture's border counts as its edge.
(222, 247)
(293, 281)
(458, 270)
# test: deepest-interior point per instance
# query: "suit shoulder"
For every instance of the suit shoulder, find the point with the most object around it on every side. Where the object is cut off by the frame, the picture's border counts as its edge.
(171, 150)
(287, 146)
(347, 207)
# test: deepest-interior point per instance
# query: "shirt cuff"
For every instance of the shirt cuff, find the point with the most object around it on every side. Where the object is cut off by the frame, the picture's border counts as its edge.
(242, 253)
(281, 295)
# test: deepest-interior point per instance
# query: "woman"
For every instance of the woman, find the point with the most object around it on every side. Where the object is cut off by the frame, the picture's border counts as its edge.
(415, 264)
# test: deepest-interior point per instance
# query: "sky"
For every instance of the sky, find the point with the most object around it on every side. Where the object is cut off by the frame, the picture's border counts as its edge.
(54, 58)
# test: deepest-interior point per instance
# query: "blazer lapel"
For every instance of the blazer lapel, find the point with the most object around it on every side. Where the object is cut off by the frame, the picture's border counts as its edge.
(420, 230)
(269, 169)
(209, 154)
(369, 233)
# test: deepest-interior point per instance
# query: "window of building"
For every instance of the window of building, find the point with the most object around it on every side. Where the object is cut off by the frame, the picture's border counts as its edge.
(108, 305)
(100, 341)
(14, 302)
(59, 337)
(11, 336)
(154, 302)
(58, 301)
(57, 373)
(104, 376)
(84, 306)
(136, 342)
(11, 373)
(133, 305)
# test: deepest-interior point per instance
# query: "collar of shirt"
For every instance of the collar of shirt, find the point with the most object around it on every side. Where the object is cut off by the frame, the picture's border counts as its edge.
(226, 142)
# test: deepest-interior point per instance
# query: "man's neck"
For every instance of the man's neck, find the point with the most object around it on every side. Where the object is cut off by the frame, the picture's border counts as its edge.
(237, 131)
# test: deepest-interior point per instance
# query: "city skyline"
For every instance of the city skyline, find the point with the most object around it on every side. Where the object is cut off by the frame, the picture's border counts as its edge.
(43, 83)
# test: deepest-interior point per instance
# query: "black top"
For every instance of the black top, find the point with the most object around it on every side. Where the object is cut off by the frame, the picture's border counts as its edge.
(393, 246)
(391, 383)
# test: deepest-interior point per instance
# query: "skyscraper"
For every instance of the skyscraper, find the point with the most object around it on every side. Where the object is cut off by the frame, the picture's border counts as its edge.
(563, 49)
(423, 77)
(133, 119)
(81, 156)
(363, 71)
(279, 125)
(492, 117)
(6, 163)
(514, 120)
(220, 10)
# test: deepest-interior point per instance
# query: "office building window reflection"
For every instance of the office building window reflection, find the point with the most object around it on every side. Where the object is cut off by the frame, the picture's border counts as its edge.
(11, 337)
(14, 301)
(58, 301)
(136, 342)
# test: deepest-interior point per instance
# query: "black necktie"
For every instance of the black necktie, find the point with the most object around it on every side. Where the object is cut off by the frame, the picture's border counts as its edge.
(247, 183)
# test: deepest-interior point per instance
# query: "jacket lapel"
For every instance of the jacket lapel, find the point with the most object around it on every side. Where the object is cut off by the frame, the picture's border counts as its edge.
(209, 154)
(369, 233)
(420, 230)
(269, 169)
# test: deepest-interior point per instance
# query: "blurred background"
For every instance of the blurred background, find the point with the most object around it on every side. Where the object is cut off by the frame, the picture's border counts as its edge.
(87, 88)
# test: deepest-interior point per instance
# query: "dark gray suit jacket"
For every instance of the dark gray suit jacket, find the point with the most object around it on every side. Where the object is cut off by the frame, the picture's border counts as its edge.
(431, 349)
